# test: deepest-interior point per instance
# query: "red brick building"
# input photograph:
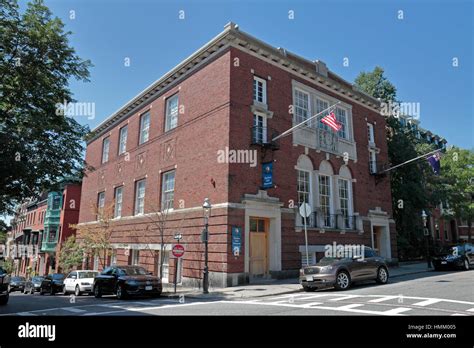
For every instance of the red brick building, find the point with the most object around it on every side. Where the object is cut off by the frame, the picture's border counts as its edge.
(172, 146)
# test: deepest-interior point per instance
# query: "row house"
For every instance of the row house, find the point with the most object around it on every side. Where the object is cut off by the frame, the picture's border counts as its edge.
(206, 129)
(40, 226)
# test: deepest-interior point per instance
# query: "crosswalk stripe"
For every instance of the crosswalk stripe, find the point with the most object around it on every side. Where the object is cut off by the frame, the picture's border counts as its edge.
(343, 298)
(427, 302)
(74, 310)
(396, 311)
(26, 313)
(311, 304)
(385, 298)
(458, 314)
(471, 310)
(350, 306)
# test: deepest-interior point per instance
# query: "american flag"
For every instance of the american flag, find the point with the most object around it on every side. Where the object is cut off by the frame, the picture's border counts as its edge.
(331, 121)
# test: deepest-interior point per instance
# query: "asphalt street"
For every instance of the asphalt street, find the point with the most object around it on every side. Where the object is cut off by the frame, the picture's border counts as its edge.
(431, 293)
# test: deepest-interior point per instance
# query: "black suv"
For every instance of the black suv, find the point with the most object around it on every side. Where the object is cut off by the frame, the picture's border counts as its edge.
(4, 283)
(124, 281)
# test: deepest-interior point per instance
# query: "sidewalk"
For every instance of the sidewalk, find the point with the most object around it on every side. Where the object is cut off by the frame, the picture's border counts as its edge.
(273, 287)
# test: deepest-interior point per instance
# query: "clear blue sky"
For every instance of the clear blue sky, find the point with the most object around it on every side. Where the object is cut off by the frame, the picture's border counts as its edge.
(415, 52)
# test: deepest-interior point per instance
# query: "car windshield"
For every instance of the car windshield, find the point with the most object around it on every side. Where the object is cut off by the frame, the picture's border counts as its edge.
(18, 279)
(37, 279)
(329, 260)
(83, 275)
(58, 276)
(133, 271)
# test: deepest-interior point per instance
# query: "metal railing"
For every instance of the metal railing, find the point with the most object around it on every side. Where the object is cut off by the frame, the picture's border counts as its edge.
(263, 136)
(330, 221)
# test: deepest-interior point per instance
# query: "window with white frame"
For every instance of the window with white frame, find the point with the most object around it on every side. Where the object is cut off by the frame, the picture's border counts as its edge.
(320, 106)
(166, 266)
(140, 197)
(301, 107)
(311, 258)
(100, 204)
(259, 129)
(167, 190)
(370, 133)
(96, 263)
(344, 202)
(342, 119)
(325, 199)
(113, 257)
(303, 187)
(123, 139)
(259, 90)
(105, 150)
(135, 257)
(118, 202)
(372, 161)
(172, 109)
(144, 128)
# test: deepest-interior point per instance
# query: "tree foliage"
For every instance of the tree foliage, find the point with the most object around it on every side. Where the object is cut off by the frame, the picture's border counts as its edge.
(70, 255)
(376, 85)
(38, 145)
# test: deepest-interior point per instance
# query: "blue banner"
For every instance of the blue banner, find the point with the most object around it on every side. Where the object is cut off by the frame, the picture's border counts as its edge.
(236, 240)
(267, 175)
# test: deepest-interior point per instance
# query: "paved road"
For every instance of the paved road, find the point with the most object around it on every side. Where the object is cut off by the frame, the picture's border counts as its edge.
(433, 293)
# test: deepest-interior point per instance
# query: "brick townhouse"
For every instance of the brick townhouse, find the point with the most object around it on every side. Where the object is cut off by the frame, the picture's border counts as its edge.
(41, 225)
(162, 151)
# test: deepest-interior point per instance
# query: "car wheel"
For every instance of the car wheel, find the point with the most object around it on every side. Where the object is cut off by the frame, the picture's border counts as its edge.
(466, 265)
(309, 288)
(343, 280)
(382, 275)
(120, 293)
(97, 291)
(41, 292)
(4, 299)
(51, 292)
(32, 291)
(77, 291)
(156, 294)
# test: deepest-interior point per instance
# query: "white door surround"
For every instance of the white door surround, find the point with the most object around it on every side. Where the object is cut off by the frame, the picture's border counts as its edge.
(379, 220)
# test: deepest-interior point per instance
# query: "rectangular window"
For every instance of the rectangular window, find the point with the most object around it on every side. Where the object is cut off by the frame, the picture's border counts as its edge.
(370, 133)
(167, 190)
(56, 203)
(140, 197)
(446, 235)
(301, 107)
(372, 162)
(135, 257)
(144, 128)
(100, 204)
(320, 106)
(166, 266)
(311, 258)
(118, 202)
(123, 139)
(105, 150)
(303, 187)
(259, 129)
(342, 119)
(325, 200)
(171, 113)
(344, 200)
(259, 90)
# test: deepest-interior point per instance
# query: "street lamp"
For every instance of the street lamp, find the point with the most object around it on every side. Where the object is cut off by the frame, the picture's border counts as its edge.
(207, 213)
(426, 233)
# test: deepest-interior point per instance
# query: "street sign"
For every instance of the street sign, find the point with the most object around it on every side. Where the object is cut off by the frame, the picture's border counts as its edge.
(178, 250)
(305, 210)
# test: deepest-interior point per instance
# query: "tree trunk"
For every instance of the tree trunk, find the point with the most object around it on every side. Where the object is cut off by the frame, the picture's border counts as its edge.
(469, 225)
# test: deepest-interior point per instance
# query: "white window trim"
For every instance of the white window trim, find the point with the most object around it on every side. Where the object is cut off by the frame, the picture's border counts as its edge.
(121, 202)
(124, 128)
(264, 131)
(105, 154)
(168, 114)
(310, 105)
(136, 197)
(264, 90)
(163, 192)
(371, 133)
(142, 129)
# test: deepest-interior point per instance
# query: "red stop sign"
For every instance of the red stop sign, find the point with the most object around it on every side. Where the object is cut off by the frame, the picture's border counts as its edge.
(178, 250)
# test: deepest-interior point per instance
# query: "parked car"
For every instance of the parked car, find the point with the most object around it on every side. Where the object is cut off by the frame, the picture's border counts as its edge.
(52, 284)
(16, 283)
(33, 285)
(124, 281)
(79, 282)
(460, 256)
(4, 283)
(342, 272)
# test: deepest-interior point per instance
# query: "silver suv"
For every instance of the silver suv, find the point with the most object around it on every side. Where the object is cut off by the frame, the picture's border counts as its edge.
(341, 272)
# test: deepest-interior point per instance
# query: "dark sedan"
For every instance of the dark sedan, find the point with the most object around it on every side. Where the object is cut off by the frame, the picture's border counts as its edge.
(124, 281)
(33, 285)
(4, 282)
(52, 284)
(16, 283)
(460, 256)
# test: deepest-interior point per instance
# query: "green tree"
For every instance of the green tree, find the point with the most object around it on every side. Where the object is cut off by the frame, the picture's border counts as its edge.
(376, 85)
(3, 232)
(457, 166)
(70, 255)
(38, 145)
(8, 266)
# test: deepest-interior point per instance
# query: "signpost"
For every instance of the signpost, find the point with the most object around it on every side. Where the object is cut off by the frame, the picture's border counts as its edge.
(178, 251)
(305, 212)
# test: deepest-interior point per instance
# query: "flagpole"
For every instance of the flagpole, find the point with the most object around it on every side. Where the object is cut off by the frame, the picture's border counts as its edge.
(413, 159)
(305, 121)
